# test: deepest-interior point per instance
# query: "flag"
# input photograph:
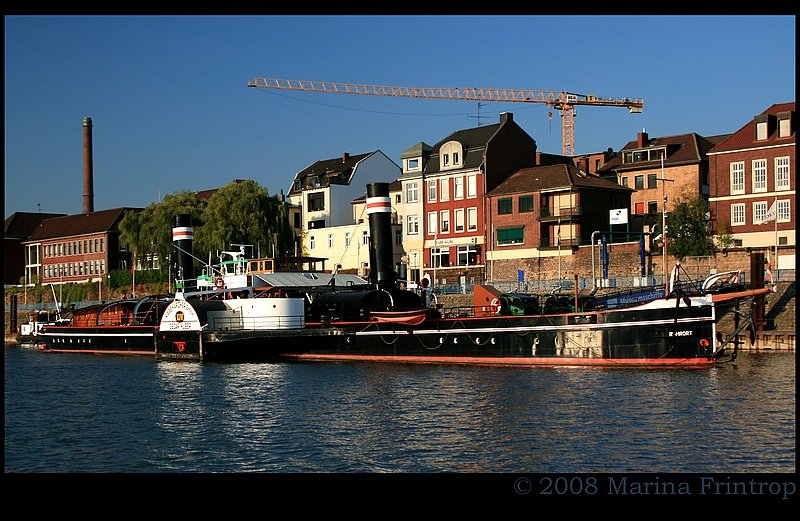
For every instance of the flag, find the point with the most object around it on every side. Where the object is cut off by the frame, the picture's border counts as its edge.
(771, 214)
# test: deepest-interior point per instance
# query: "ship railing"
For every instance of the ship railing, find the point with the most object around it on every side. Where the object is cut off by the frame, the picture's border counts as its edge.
(255, 323)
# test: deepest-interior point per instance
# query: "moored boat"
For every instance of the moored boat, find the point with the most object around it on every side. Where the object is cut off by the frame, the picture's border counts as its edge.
(385, 323)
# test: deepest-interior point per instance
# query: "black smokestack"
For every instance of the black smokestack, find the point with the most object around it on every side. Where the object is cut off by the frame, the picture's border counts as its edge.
(88, 169)
(379, 210)
(182, 238)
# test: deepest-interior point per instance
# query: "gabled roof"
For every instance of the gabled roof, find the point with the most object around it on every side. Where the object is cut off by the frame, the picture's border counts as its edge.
(79, 224)
(549, 177)
(745, 137)
(339, 168)
(681, 149)
(474, 141)
(20, 225)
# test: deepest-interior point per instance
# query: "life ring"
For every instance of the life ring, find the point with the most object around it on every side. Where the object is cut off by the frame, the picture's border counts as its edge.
(219, 283)
(497, 306)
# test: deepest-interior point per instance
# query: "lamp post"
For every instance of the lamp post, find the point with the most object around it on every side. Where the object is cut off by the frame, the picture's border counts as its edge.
(664, 222)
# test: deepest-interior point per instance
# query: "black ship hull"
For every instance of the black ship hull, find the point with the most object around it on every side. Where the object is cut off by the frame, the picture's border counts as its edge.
(125, 340)
(649, 335)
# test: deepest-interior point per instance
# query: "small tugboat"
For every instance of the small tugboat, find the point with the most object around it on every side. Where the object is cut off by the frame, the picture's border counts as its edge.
(385, 323)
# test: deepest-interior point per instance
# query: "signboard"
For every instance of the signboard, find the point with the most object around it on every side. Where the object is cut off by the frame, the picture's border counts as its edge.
(618, 216)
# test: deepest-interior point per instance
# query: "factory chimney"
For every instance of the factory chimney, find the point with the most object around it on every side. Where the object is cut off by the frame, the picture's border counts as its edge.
(88, 171)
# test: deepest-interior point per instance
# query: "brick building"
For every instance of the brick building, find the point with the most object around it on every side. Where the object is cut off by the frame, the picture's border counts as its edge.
(547, 211)
(459, 170)
(749, 173)
(638, 166)
(77, 248)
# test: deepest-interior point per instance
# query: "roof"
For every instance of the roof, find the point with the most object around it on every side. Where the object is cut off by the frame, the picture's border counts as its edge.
(80, 224)
(745, 137)
(539, 178)
(681, 149)
(20, 225)
(338, 170)
(474, 141)
(310, 279)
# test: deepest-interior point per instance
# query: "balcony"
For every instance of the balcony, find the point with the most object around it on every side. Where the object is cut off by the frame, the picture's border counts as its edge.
(548, 214)
(547, 243)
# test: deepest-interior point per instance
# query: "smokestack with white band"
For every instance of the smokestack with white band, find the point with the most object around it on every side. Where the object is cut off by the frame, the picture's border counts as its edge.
(379, 211)
(182, 238)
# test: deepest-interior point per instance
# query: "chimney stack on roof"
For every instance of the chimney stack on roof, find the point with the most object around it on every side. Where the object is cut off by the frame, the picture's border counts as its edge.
(642, 139)
(345, 157)
(88, 169)
(506, 116)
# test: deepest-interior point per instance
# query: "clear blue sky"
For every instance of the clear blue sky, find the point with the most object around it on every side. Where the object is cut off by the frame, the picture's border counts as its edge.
(171, 109)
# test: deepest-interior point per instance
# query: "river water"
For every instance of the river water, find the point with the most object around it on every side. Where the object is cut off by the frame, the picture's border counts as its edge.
(75, 413)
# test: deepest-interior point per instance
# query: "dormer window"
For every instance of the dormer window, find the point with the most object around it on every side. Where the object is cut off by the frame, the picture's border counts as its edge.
(412, 164)
(297, 185)
(784, 124)
(761, 130)
(450, 155)
(640, 156)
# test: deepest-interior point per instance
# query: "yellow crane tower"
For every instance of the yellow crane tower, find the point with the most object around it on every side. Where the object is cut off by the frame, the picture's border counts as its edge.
(563, 101)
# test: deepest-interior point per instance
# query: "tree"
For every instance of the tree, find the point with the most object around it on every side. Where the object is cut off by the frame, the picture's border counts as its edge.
(688, 229)
(149, 232)
(243, 212)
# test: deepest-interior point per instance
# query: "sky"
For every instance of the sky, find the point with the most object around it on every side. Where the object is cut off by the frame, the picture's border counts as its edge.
(171, 109)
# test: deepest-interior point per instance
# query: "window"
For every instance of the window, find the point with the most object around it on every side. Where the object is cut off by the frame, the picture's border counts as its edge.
(314, 225)
(455, 159)
(504, 206)
(446, 159)
(312, 242)
(413, 225)
(458, 187)
(639, 182)
(652, 180)
(459, 218)
(784, 124)
(297, 185)
(397, 198)
(638, 208)
(445, 221)
(759, 211)
(433, 220)
(467, 255)
(472, 186)
(652, 207)
(365, 238)
(316, 201)
(624, 181)
(444, 188)
(783, 210)
(398, 235)
(525, 203)
(761, 130)
(431, 191)
(472, 219)
(412, 164)
(330, 240)
(737, 214)
(507, 236)
(781, 173)
(412, 195)
(433, 223)
(440, 257)
(759, 175)
(737, 178)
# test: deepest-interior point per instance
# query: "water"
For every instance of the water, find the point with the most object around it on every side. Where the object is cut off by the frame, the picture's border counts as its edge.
(72, 413)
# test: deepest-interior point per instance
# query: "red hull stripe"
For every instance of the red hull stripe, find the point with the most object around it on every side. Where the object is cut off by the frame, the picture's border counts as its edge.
(378, 204)
(101, 352)
(524, 362)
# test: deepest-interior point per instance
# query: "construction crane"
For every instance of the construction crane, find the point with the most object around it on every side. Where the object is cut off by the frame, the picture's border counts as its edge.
(563, 101)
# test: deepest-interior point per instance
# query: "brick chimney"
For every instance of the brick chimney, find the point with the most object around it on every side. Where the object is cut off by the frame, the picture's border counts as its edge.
(345, 157)
(506, 116)
(642, 139)
(88, 169)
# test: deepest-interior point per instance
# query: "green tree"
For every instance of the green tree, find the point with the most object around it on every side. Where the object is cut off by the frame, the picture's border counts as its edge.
(243, 212)
(688, 229)
(149, 232)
